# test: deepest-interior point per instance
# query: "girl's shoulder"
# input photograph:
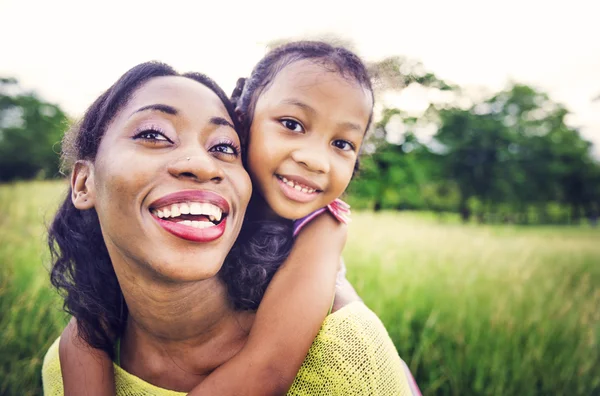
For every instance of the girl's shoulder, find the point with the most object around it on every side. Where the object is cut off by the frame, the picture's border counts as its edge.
(352, 355)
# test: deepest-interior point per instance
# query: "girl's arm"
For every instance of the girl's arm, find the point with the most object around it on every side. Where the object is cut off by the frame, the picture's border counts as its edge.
(289, 317)
(85, 370)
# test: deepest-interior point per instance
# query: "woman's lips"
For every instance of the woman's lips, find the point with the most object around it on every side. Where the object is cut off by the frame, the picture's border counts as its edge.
(193, 234)
(188, 232)
(294, 194)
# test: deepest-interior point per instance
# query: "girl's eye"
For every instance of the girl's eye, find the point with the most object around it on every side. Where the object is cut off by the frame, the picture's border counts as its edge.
(292, 125)
(343, 145)
(152, 135)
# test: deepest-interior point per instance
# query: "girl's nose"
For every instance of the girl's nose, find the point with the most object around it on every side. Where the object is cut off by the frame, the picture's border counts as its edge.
(313, 158)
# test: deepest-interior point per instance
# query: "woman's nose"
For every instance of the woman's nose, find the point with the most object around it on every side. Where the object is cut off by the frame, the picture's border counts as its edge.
(201, 167)
(313, 158)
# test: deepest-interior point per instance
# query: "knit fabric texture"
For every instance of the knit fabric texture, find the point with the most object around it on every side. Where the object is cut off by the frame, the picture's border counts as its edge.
(352, 355)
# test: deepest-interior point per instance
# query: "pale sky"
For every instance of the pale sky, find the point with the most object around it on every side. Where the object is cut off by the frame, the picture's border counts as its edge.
(71, 51)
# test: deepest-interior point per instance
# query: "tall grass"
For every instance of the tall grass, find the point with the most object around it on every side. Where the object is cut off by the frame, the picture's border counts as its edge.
(472, 309)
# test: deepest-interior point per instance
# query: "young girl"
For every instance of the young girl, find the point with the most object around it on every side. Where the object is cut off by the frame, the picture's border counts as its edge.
(305, 110)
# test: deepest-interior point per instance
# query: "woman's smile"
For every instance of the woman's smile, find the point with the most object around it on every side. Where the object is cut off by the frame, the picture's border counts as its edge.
(194, 215)
(177, 166)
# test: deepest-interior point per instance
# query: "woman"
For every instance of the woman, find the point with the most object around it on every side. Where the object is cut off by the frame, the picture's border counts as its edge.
(178, 323)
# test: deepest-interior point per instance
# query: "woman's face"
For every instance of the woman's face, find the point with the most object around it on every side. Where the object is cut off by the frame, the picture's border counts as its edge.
(306, 132)
(168, 182)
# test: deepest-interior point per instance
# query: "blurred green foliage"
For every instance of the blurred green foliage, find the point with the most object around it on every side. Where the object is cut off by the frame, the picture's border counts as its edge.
(30, 134)
(508, 158)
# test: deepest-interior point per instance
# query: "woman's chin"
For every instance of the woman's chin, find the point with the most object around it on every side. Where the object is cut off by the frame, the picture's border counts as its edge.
(187, 269)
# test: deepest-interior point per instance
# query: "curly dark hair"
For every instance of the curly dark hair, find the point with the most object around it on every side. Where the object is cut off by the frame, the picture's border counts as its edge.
(336, 59)
(81, 267)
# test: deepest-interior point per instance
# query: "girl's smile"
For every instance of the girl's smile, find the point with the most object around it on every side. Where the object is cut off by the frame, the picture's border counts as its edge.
(298, 189)
(307, 129)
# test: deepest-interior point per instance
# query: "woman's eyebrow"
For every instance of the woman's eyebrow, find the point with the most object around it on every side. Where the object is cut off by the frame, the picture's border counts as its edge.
(221, 121)
(158, 107)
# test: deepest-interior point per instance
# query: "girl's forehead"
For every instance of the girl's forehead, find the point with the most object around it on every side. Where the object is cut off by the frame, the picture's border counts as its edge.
(318, 86)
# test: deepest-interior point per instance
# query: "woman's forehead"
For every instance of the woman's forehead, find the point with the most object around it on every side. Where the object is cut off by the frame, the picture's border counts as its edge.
(181, 93)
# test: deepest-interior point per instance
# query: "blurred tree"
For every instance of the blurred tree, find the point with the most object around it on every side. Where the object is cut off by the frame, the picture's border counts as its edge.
(515, 147)
(30, 134)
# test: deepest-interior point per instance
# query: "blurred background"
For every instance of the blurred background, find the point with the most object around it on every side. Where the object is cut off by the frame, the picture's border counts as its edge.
(475, 236)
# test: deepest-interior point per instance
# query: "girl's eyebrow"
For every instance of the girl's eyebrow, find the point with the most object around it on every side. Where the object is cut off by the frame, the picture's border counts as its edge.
(304, 106)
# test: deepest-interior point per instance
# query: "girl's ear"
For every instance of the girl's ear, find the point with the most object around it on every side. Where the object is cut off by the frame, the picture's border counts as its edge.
(83, 193)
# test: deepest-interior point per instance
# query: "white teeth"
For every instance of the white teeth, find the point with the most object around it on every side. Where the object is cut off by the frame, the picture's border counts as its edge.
(297, 187)
(197, 224)
(184, 208)
(195, 208)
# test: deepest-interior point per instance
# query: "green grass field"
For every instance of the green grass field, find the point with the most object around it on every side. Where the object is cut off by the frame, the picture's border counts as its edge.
(486, 310)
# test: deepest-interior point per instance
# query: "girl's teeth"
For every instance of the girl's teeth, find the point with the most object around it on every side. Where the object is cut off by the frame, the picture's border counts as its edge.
(159, 213)
(166, 212)
(175, 210)
(296, 186)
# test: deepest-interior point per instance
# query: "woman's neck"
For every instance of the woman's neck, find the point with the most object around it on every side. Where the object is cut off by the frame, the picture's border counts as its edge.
(177, 334)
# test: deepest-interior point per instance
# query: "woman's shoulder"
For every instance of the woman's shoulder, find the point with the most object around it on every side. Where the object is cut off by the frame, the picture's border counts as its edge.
(51, 374)
(126, 383)
(352, 355)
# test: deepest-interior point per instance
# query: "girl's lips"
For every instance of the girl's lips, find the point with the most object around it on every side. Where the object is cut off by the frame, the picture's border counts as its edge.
(302, 181)
(191, 233)
(296, 195)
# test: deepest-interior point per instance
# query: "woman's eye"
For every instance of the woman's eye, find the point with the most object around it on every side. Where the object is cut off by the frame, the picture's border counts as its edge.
(224, 149)
(152, 136)
(343, 145)
(292, 125)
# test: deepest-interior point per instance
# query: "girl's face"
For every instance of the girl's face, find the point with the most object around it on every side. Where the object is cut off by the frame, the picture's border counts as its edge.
(168, 182)
(305, 136)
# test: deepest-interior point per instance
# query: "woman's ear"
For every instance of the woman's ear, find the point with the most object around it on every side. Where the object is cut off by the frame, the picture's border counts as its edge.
(83, 193)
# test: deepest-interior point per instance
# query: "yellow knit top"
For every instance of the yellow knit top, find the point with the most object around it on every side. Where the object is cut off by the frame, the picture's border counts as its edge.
(352, 355)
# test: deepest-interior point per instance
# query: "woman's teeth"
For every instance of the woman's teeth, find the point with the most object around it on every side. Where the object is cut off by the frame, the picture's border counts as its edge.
(297, 186)
(211, 211)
